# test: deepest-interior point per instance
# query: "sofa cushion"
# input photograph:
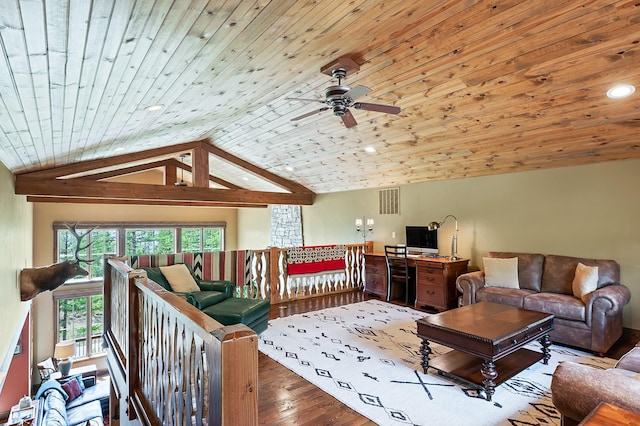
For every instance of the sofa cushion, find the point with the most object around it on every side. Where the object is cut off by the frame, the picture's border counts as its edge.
(77, 377)
(585, 281)
(156, 276)
(530, 266)
(179, 278)
(505, 296)
(560, 305)
(89, 412)
(500, 272)
(204, 299)
(54, 412)
(559, 272)
(251, 312)
(73, 389)
(98, 391)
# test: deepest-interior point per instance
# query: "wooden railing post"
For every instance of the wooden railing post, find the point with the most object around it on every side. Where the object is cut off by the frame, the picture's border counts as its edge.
(133, 373)
(274, 275)
(171, 364)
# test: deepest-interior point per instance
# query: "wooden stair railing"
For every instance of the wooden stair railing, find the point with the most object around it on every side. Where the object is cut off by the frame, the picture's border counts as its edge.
(263, 273)
(170, 364)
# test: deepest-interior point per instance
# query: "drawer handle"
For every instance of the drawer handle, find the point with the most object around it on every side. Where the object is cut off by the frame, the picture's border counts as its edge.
(514, 341)
(431, 292)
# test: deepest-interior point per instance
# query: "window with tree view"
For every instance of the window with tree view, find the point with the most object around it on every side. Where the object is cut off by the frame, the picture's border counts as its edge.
(80, 319)
(78, 312)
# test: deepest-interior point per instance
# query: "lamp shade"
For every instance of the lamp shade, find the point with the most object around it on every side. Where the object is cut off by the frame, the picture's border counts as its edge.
(433, 226)
(65, 349)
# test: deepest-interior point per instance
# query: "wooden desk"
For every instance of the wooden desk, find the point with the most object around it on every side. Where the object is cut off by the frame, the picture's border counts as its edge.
(606, 414)
(435, 283)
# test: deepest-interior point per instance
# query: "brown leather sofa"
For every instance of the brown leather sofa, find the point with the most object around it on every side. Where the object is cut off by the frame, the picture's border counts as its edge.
(577, 389)
(546, 286)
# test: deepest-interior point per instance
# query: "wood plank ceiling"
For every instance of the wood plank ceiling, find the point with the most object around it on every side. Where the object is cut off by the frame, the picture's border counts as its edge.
(485, 87)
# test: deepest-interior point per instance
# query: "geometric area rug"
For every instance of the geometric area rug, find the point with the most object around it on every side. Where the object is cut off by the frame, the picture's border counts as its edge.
(367, 356)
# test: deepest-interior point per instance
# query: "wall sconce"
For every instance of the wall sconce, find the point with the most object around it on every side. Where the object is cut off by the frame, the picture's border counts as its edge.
(64, 355)
(454, 238)
(364, 230)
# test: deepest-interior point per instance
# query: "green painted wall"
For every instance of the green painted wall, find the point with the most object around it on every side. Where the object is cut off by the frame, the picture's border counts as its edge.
(587, 211)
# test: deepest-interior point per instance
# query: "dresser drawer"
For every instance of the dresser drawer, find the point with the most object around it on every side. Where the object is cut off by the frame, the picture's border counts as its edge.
(525, 335)
(376, 283)
(430, 276)
(432, 295)
(376, 269)
(375, 265)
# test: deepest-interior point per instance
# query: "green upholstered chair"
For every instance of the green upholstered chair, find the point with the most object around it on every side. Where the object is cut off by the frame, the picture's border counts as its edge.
(217, 299)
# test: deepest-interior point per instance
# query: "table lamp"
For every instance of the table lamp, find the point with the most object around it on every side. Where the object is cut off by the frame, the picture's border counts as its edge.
(64, 354)
(454, 238)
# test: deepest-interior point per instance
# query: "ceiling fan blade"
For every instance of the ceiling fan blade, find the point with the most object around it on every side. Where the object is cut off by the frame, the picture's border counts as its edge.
(358, 91)
(389, 109)
(309, 114)
(349, 120)
(305, 100)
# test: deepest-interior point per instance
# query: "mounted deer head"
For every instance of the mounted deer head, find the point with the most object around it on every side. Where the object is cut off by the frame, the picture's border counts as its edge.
(36, 280)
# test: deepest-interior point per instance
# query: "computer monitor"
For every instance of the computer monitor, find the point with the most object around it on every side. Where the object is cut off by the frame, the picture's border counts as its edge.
(420, 240)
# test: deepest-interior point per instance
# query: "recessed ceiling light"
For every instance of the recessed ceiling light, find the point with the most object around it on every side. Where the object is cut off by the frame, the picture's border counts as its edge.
(120, 148)
(620, 91)
(289, 168)
(245, 178)
(370, 150)
(154, 107)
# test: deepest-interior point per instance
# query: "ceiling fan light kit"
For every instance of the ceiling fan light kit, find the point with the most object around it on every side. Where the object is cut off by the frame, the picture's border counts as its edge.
(340, 97)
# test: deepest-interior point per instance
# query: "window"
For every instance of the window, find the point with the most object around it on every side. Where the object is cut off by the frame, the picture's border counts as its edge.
(79, 318)
(78, 306)
(134, 239)
(150, 241)
(97, 243)
(201, 239)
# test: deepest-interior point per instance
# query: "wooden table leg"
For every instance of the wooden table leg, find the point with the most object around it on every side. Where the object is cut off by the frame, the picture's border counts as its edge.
(489, 373)
(425, 350)
(545, 341)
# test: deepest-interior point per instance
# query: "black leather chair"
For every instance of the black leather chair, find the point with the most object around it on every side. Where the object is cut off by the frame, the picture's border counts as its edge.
(397, 270)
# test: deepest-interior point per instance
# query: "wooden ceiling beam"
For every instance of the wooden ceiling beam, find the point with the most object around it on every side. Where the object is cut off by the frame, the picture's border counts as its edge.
(28, 185)
(170, 174)
(125, 171)
(79, 200)
(271, 177)
(200, 166)
(101, 163)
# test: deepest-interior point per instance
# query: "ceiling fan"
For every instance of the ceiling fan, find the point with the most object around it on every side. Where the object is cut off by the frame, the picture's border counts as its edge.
(340, 98)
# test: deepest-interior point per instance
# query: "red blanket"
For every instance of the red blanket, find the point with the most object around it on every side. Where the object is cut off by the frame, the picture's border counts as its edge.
(314, 259)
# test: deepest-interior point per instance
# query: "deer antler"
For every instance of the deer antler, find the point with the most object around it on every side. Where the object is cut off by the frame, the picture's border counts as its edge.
(79, 237)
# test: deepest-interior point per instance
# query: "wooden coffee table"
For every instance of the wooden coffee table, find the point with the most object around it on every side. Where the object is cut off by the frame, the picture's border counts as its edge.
(487, 339)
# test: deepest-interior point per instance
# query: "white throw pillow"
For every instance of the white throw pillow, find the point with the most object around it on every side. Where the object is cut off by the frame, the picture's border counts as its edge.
(585, 281)
(500, 272)
(179, 278)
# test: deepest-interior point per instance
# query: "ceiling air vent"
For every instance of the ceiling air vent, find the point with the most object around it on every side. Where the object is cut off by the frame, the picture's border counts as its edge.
(389, 201)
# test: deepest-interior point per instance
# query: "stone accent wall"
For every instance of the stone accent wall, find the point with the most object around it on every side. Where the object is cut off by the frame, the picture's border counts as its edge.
(286, 226)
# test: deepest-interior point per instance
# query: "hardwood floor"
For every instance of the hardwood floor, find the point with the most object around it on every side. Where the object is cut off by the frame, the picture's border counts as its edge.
(284, 398)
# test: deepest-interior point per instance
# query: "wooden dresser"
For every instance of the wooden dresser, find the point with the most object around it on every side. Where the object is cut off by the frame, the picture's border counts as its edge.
(435, 279)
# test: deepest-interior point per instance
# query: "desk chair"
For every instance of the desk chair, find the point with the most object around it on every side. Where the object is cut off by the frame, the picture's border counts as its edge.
(397, 270)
